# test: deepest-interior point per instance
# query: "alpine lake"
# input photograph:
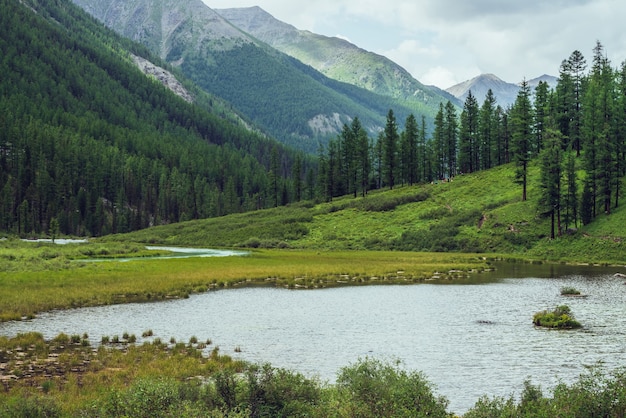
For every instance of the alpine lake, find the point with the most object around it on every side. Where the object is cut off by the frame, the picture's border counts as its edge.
(470, 337)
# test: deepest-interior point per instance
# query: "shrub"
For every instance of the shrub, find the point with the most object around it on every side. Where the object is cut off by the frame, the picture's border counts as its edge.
(569, 291)
(561, 317)
(279, 393)
(371, 388)
(30, 406)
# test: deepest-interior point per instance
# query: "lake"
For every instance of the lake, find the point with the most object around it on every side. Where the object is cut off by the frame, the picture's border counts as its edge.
(470, 338)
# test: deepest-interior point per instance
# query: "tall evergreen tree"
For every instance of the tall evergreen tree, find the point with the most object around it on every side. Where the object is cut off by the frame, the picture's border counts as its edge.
(439, 144)
(521, 134)
(576, 65)
(550, 180)
(488, 130)
(390, 149)
(411, 135)
(469, 136)
(571, 196)
(451, 139)
(540, 115)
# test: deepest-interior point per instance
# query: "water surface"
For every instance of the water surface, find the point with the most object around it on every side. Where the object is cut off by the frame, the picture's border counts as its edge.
(470, 338)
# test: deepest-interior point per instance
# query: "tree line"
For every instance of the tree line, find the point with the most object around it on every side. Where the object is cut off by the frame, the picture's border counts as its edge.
(576, 131)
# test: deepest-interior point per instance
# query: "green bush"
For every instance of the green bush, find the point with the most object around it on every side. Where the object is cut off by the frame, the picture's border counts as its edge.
(595, 394)
(371, 388)
(31, 407)
(561, 317)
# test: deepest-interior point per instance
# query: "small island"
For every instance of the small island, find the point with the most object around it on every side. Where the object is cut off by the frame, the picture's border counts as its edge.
(560, 318)
(571, 292)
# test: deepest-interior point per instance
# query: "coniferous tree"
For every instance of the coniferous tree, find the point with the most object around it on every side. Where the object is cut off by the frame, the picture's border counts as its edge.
(422, 154)
(599, 133)
(576, 65)
(521, 133)
(503, 139)
(390, 145)
(362, 156)
(488, 129)
(451, 139)
(550, 179)
(571, 196)
(410, 137)
(540, 115)
(469, 136)
(439, 144)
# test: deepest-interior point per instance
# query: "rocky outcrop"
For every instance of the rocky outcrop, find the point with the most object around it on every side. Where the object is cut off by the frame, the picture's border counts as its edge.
(164, 76)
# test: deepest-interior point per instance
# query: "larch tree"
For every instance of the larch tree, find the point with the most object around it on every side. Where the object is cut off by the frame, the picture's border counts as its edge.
(551, 166)
(390, 146)
(521, 134)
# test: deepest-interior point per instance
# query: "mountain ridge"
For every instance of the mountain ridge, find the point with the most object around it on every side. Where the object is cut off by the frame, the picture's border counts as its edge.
(335, 57)
(504, 92)
(286, 98)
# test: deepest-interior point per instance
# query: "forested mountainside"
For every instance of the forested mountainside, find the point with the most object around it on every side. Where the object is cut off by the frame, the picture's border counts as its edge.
(91, 144)
(338, 59)
(292, 101)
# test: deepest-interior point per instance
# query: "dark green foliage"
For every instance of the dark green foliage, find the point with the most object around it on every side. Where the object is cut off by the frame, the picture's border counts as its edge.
(88, 140)
(245, 74)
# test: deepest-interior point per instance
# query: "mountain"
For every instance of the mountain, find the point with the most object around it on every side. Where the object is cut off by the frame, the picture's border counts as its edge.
(337, 58)
(504, 92)
(287, 99)
(91, 143)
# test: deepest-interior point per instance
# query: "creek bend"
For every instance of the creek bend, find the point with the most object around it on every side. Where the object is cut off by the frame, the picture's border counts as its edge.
(470, 338)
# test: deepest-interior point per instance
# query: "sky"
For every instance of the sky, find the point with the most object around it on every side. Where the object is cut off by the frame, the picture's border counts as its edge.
(445, 42)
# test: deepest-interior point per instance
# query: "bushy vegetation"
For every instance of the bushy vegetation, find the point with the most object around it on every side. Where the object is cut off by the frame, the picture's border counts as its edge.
(595, 394)
(561, 317)
(154, 379)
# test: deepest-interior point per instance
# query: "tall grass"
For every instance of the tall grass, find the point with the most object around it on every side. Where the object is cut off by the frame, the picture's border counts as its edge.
(25, 293)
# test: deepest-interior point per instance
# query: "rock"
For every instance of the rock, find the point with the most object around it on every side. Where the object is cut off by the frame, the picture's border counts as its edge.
(164, 76)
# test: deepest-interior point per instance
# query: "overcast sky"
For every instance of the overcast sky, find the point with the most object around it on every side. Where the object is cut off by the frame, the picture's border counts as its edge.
(444, 42)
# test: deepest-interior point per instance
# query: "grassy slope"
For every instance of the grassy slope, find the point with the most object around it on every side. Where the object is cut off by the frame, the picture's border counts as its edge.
(481, 212)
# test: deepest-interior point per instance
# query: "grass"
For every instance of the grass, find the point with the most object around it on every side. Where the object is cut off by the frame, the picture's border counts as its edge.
(26, 293)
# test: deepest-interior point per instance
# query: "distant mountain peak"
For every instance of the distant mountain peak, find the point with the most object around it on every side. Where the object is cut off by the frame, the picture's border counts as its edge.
(505, 92)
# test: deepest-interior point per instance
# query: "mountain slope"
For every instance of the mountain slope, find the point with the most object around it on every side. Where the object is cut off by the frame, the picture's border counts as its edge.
(337, 58)
(89, 141)
(289, 100)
